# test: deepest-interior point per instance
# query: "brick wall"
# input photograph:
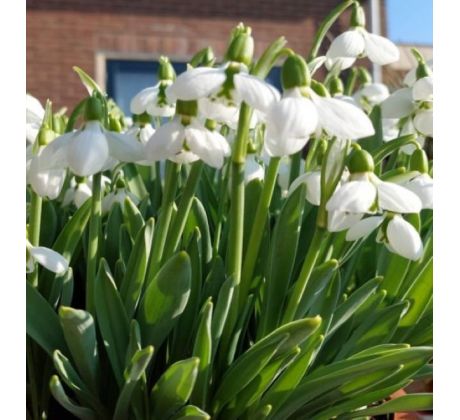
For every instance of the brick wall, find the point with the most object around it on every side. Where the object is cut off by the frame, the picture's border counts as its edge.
(64, 33)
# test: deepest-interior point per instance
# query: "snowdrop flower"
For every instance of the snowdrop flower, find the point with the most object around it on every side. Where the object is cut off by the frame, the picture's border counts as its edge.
(399, 236)
(80, 190)
(34, 117)
(312, 180)
(421, 184)
(91, 149)
(357, 43)
(153, 100)
(253, 169)
(46, 257)
(141, 128)
(371, 94)
(302, 112)
(185, 139)
(364, 192)
(118, 195)
(221, 90)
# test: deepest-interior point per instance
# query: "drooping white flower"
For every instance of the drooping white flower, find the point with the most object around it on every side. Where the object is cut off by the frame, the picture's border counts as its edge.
(80, 190)
(312, 180)
(371, 94)
(185, 143)
(422, 186)
(154, 101)
(34, 117)
(47, 258)
(141, 132)
(119, 195)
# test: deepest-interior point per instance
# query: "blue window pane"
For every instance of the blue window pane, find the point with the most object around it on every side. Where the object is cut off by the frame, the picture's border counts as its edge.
(125, 78)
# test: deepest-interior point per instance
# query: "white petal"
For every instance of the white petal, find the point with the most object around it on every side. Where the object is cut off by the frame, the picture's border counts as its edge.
(32, 132)
(423, 122)
(363, 228)
(393, 197)
(423, 89)
(210, 146)
(49, 259)
(184, 156)
(341, 119)
(143, 98)
(124, 148)
(339, 220)
(390, 128)
(399, 104)
(422, 185)
(163, 111)
(284, 174)
(380, 50)
(34, 110)
(254, 91)
(253, 169)
(340, 63)
(374, 93)
(404, 238)
(410, 77)
(348, 44)
(88, 150)
(313, 182)
(316, 63)
(165, 142)
(55, 154)
(82, 193)
(219, 111)
(353, 196)
(196, 83)
(145, 133)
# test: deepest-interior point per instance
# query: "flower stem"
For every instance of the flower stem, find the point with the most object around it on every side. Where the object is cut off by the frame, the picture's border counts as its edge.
(183, 210)
(164, 219)
(307, 268)
(34, 229)
(93, 241)
(258, 227)
(326, 25)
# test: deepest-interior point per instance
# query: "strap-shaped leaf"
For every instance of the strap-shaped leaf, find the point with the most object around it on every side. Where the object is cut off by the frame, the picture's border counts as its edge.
(42, 323)
(191, 412)
(174, 388)
(133, 218)
(165, 299)
(112, 234)
(80, 336)
(112, 320)
(89, 83)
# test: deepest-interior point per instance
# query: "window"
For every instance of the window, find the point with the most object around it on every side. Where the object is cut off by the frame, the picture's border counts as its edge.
(125, 78)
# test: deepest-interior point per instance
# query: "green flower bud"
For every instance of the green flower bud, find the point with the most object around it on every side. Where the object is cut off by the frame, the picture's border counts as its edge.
(187, 108)
(203, 58)
(295, 73)
(364, 76)
(321, 151)
(45, 136)
(241, 48)
(120, 184)
(336, 86)
(166, 70)
(114, 124)
(320, 89)
(360, 161)
(358, 17)
(422, 69)
(419, 161)
(58, 123)
(210, 124)
(93, 109)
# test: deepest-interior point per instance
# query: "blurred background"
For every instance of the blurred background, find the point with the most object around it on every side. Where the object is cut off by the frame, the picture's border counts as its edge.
(119, 41)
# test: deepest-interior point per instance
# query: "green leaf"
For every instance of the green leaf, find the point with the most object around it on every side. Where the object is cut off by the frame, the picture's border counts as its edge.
(134, 279)
(126, 244)
(190, 412)
(283, 248)
(134, 180)
(112, 234)
(174, 388)
(49, 224)
(214, 279)
(198, 217)
(58, 392)
(42, 323)
(387, 148)
(202, 349)
(112, 320)
(410, 402)
(80, 336)
(133, 218)
(165, 299)
(133, 374)
(87, 81)
(375, 141)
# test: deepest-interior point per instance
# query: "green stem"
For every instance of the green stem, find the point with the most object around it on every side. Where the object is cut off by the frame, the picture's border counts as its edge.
(326, 25)
(164, 218)
(309, 161)
(223, 186)
(93, 241)
(258, 227)
(307, 268)
(296, 160)
(34, 229)
(183, 210)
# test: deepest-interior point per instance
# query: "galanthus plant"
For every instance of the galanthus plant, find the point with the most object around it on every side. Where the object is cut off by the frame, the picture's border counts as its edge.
(236, 252)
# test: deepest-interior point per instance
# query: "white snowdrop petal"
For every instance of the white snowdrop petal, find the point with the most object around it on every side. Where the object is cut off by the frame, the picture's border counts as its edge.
(375, 93)
(393, 197)
(88, 152)
(339, 63)
(196, 83)
(49, 259)
(34, 110)
(254, 91)
(423, 89)
(219, 111)
(399, 104)
(145, 133)
(353, 197)
(55, 154)
(165, 142)
(404, 239)
(422, 185)
(312, 180)
(338, 221)
(410, 77)
(164, 111)
(380, 50)
(82, 194)
(139, 103)
(348, 44)
(253, 169)
(124, 148)
(363, 228)
(423, 122)
(211, 147)
(341, 119)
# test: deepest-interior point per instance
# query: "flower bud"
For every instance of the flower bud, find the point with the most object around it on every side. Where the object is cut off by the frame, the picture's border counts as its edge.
(364, 76)
(166, 70)
(59, 123)
(241, 48)
(336, 86)
(203, 58)
(295, 73)
(419, 161)
(422, 69)
(114, 124)
(320, 89)
(45, 136)
(358, 17)
(187, 108)
(360, 161)
(93, 109)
